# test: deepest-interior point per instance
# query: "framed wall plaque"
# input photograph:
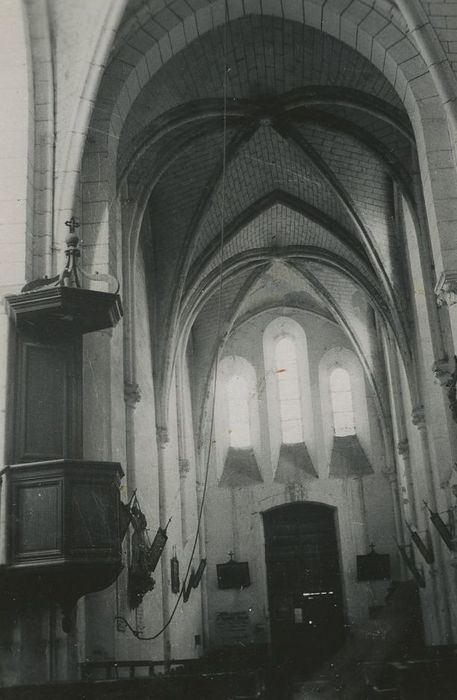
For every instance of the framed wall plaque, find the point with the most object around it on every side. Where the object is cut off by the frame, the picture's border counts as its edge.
(233, 574)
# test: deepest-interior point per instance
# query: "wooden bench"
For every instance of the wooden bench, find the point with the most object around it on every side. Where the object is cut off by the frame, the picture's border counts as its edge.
(236, 684)
(113, 670)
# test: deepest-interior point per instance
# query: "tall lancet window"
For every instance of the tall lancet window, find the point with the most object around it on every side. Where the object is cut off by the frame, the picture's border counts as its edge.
(290, 411)
(238, 412)
(342, 406)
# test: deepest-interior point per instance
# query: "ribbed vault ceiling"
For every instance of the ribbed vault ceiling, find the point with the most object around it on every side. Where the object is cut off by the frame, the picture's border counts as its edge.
(294, 188)
(267, 57)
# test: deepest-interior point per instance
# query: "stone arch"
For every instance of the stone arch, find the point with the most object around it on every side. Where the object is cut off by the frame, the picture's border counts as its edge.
(379, 32)
(253, 261)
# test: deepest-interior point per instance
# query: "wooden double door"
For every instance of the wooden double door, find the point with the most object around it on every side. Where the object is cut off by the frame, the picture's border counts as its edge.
(304, 585)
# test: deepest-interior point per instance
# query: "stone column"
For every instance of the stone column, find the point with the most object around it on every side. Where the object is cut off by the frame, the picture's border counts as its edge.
(409, 499)
(454, 539)
(392, 479)
(184, 463)
(3, 522)
(446, 295)
(363, 512)
(200, 478)
(184, 469)
(418, 419)
(4, 366)
(438, 578)
(132, 396)
(4, 448)
(162, 443)
(445, 373)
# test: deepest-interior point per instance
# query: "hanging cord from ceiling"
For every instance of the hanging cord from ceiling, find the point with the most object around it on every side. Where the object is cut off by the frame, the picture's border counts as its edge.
(134, 631)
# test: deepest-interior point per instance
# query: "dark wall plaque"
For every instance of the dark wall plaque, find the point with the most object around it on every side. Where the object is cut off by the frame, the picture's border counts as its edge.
(233, 574)
(373, 567)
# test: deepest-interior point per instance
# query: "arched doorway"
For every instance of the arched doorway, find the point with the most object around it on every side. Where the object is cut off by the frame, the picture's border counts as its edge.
(304, 584)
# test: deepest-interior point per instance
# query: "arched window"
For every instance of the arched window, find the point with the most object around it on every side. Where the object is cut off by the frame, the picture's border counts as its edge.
(238, 412)
(290, 411)
(342, 406)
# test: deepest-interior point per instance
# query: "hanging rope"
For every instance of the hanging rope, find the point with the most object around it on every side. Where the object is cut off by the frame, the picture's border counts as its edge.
(134, 631)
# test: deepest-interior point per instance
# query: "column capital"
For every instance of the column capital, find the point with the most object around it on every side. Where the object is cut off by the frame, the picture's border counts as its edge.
(390, 475)
(162, 436)
(403, 448)
(184, 468)
(446, 288)
(445, 483)
(132, 394)
(418, 417)
(443, 371)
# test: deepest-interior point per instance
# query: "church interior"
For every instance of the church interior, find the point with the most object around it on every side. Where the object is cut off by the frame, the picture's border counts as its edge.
(228, 331)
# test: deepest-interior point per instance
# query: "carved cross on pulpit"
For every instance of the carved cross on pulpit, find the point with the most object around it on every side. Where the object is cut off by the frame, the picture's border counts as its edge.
(72, 224)
(69, 276)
